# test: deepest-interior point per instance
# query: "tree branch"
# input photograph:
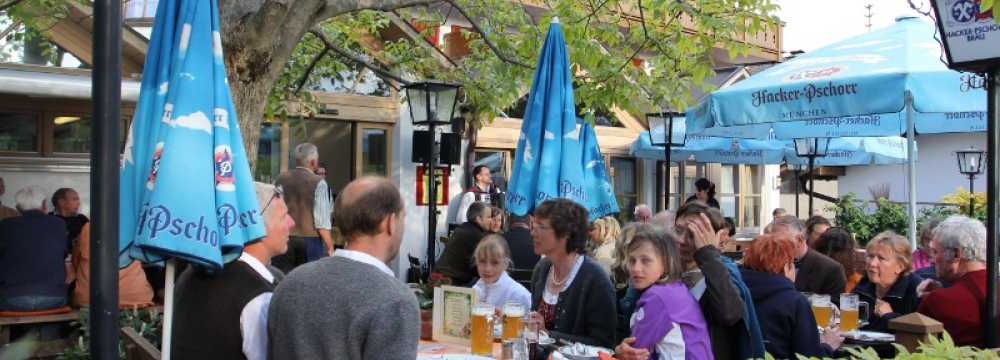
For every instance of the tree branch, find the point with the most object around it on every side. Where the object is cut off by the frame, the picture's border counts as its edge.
(486, 39)
(13, 26)
(7, 4)
(309, 70)
(349, 55)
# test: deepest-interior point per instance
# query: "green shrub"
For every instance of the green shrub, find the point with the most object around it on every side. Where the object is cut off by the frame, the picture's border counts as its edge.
(148, 323)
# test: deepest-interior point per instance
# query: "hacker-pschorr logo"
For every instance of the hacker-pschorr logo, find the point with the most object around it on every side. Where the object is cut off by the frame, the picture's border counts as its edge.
(815, 73)
(964, 11)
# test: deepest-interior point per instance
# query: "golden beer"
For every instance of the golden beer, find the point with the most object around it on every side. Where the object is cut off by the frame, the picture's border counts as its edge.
(513, 314)
(482, 329)
(822, 314)
(848, 320)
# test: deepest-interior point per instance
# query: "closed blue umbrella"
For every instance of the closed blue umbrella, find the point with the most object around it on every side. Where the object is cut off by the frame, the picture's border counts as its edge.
(600, 199)
(549, 151)
(186, 187)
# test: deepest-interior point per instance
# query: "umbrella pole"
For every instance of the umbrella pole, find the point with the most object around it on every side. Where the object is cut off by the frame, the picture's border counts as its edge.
(168, 309)
(992, 200)
(797, 192)
(812, 184)
(911, 178)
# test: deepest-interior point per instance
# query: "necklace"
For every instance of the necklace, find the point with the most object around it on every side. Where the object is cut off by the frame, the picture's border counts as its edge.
(554, 281)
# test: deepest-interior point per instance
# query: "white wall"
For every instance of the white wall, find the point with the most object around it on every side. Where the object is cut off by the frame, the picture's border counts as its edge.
(404, 174)
(937, 170)
(48, 174)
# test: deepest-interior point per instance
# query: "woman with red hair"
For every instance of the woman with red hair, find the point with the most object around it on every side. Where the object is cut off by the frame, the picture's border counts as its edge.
(786, 318)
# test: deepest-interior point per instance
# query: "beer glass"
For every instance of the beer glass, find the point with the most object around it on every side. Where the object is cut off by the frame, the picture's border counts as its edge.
(850, 314)
(482, 329)
(531, 337)
(822, 309)
(513, 316)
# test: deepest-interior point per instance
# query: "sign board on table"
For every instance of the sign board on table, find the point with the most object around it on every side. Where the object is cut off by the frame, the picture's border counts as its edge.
(453, 314)
(971, 38)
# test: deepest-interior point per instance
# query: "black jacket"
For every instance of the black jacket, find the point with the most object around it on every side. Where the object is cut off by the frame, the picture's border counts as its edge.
(902, 296)
(33, 255)
(721, 303)
(522, 251)
(817, 273)
(586, 311)
(456, 261)
(785, 316)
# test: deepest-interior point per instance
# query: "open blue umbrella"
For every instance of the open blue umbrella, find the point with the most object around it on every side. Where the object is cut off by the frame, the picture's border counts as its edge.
(707, 149)
(601, 200)
(186, 187)
(855, 87)
(549, 151)
(886, 150)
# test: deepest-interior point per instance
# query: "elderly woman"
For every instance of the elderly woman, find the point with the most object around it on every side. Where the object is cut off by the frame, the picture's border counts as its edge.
(839, 245)
(604, 237)
(571, 295)
(786, 318)
(889, 287)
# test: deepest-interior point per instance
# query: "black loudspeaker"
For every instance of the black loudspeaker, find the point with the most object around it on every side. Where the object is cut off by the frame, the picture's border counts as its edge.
(421, 146)
(451, 149)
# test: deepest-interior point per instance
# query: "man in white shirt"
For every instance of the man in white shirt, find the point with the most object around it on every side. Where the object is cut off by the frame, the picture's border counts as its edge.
(482, 190)
(310, 205)
(231, 307)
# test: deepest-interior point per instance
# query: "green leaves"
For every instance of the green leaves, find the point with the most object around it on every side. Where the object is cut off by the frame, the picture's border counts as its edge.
(854, 216)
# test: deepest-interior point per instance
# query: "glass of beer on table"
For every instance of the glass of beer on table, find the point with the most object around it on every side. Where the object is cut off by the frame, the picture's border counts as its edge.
(850, 316)
(513, 317)
(822, 309)
(482, 329)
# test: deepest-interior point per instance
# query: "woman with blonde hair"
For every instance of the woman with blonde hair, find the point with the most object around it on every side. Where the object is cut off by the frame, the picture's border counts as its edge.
(604, 237)
(495, 286)
(889, 285)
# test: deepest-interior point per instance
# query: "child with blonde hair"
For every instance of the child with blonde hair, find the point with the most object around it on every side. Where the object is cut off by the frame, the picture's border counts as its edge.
(495, 286)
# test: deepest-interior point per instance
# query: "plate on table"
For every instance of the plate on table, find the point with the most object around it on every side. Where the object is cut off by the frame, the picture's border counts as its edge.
(583, 352)
(869, 336)
(453, 357)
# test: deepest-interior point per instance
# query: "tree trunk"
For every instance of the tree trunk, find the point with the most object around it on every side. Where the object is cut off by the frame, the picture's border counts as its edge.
(258, 37)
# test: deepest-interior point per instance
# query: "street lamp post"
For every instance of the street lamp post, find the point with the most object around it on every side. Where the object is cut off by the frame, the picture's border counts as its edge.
(431, 103)
(666, 121)
(970, 163)
(811, 148)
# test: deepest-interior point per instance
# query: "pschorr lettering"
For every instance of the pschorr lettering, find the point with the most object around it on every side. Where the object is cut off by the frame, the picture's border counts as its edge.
(159, 219)
(814, 92)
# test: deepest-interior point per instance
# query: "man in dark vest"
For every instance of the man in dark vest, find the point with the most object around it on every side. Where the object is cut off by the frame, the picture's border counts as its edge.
(456, 260)
(482, 190)
(310, 206)
(224, 315)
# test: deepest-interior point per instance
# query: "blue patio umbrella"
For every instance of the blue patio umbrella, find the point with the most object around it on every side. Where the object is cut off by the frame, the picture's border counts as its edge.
(708, 149)
(886, 150)
(549, 151)
(186, 187)
(861, 86)
(601, 200)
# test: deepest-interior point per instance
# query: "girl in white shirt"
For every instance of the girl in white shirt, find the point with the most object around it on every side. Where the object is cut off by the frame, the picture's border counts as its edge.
(495, 286)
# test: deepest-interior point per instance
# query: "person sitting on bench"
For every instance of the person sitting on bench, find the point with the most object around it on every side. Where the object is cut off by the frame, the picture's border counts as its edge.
(32, 256)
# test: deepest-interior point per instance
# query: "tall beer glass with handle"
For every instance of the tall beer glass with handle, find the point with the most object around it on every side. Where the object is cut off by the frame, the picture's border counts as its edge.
(513, 316)
(482, 329)
(851, 317)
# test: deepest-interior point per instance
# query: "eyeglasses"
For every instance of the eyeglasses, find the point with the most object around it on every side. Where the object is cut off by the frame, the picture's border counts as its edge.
(278, 192)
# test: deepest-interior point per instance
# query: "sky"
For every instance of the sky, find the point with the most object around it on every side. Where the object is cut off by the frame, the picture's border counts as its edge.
(811, 24)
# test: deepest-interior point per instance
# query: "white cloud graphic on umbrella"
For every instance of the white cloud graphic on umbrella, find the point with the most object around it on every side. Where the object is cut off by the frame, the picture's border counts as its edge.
(193, 121)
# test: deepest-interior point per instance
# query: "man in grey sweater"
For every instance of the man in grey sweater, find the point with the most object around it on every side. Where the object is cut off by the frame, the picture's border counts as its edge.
(350, 306)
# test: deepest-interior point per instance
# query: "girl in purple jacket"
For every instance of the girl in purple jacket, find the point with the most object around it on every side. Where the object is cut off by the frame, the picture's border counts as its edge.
(667, 322)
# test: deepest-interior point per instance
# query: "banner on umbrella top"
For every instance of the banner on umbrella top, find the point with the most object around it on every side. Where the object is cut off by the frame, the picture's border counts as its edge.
(186, 186)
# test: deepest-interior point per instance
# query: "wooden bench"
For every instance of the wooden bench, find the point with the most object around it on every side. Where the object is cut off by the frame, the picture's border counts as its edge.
(44, 348)
(137, 347)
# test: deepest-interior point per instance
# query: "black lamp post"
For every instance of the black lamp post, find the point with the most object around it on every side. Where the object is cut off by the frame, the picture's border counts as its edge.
(666, 121)
(970, 163)
(956, 20)
(811, 148)
(432, 103)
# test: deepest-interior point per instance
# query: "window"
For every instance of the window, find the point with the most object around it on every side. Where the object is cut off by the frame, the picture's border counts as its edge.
(737, 188)
(623, 173)
(268, 153)
(71, 134)
(374, 151)
(335, 144)
(140, 9)
(496, 160)
(18, 132)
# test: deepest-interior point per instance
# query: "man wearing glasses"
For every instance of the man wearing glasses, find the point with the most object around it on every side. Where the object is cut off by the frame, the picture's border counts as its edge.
(236, 317)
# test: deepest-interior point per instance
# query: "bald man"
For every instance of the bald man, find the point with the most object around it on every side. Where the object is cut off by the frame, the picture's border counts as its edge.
(350, 305)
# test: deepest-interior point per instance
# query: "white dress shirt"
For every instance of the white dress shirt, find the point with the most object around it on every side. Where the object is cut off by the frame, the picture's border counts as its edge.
(501, 291)
(253, 318)
(364, 258)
